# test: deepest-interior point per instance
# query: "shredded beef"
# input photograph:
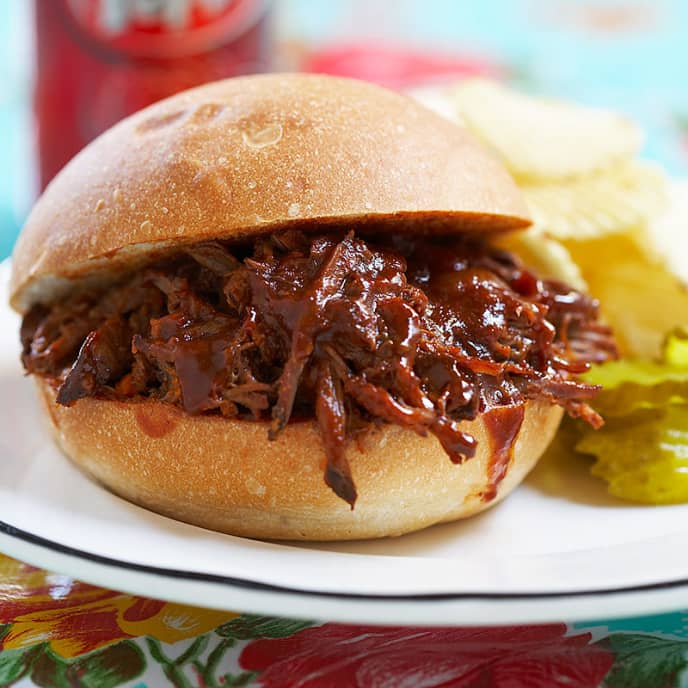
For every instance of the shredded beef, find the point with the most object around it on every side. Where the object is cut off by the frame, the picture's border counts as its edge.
(420, 333)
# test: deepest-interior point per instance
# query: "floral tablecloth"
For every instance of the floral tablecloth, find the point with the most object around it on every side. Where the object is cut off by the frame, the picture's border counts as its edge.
(56, 632)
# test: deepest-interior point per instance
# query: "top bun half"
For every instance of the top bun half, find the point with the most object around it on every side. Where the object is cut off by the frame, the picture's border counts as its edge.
(249, 156)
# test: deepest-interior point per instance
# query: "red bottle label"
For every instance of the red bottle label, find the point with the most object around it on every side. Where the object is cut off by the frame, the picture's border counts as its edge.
(100, 60)
(163, 28)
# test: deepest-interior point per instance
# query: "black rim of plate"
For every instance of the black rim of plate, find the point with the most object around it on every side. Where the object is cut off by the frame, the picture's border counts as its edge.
(247, 584)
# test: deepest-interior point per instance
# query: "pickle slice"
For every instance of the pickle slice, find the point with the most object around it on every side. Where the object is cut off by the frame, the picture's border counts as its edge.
(643, 458)
(642, 450)
(632, 385)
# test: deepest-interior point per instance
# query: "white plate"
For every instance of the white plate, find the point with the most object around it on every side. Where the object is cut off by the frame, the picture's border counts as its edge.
(559, 548)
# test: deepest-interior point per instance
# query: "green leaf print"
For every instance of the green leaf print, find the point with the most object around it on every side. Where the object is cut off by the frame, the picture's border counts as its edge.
(645, 661)
(112, 666)
(248, 626)
(177, 670)
(15, 664)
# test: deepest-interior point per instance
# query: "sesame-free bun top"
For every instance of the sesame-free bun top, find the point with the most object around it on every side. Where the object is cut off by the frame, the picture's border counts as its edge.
(253, 155)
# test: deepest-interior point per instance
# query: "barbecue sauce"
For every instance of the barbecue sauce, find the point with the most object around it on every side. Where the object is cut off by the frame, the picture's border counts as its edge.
(419, 332)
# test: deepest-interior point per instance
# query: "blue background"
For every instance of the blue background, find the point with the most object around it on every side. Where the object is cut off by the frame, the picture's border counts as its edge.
(631, 55)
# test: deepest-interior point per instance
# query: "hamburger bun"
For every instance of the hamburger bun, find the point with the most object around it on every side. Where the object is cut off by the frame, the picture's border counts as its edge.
(225, 475)
(234, 160)
(249, 156)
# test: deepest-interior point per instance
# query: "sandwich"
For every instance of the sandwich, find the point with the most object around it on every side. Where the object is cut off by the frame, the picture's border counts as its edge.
(275, 306)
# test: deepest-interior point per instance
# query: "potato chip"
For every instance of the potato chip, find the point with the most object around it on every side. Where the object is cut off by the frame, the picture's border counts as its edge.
(640, 297)
(667, 234)
(548, 258)
(540, 139)
(438, 99)
(608, 201)
(600, 215)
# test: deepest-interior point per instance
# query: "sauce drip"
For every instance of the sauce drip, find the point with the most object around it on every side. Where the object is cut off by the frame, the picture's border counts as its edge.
(503, 425)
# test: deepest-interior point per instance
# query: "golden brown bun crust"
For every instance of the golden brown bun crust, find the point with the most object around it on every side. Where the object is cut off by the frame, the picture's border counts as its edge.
(250, 155)
(225, 475)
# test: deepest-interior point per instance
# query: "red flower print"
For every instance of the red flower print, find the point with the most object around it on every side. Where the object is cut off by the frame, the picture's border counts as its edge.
(338, 656)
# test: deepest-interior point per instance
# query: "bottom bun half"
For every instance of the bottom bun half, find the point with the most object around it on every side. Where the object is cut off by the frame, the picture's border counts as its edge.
(225, 475)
